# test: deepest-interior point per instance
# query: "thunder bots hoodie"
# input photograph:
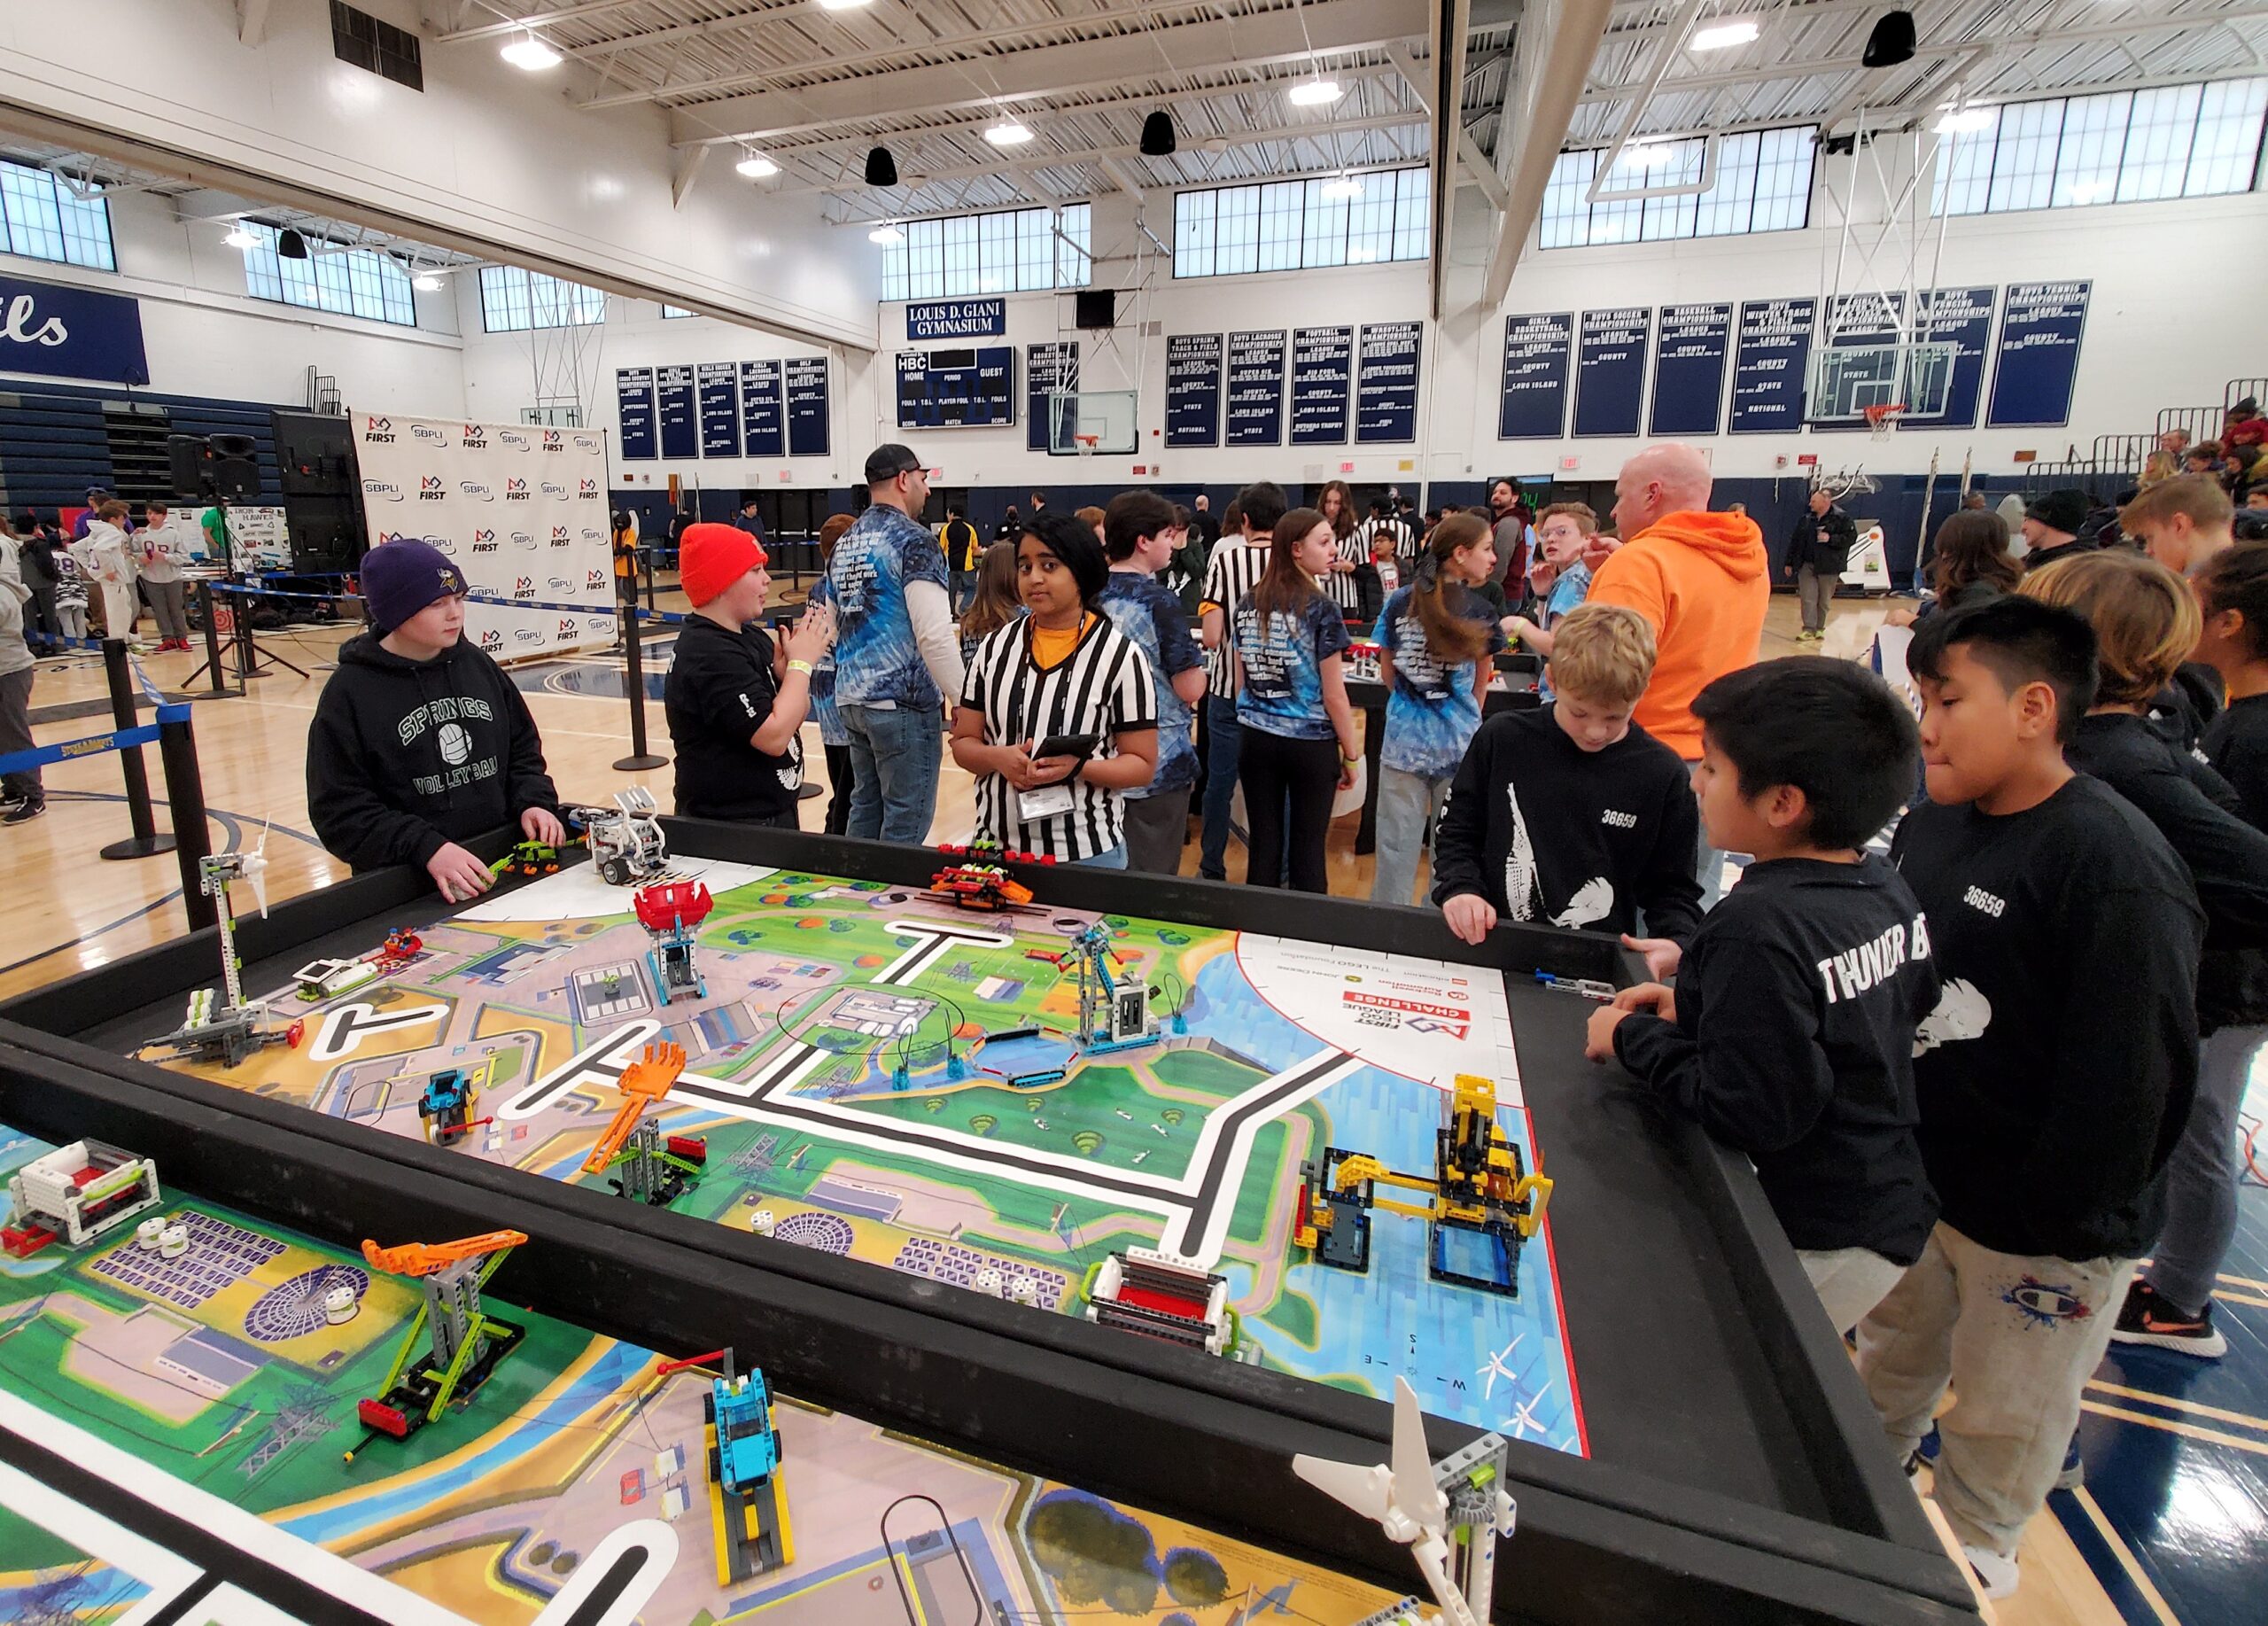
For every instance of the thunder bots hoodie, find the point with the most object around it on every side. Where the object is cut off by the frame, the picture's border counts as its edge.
(407, 756)
(1700, 580)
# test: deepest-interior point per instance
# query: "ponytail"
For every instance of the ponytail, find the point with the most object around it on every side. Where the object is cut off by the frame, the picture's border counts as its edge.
(1452, 639)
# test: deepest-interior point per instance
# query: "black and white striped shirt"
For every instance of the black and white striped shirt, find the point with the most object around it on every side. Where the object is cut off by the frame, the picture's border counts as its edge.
(1234, 570)
(1103, 687)
(1344, 590)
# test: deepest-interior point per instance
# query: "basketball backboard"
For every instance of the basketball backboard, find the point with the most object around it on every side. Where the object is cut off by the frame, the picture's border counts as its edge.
(1847, 379)
(1107, 416)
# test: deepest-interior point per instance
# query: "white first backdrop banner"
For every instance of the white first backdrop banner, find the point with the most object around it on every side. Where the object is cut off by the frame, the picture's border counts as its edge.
(521, 510)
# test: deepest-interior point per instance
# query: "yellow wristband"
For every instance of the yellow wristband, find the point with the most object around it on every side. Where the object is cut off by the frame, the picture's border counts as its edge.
(803, 666)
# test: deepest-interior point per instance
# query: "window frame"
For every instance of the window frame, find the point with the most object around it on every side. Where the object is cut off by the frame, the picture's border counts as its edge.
(1755, 190)
(63, 222)
(365, 284)
(990, 254)
(2164, 144)
(1257, 227)
(535, 301)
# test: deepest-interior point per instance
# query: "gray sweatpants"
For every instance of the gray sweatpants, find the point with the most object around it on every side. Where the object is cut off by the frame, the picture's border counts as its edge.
(16, 727)
(2017, 1338)
(1850, 1281)
(1157, 828)
(168, 603)
(2201, 1176)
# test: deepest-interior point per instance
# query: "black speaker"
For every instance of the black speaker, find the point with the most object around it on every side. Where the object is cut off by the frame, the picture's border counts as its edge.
(326, 532)
(208, 467)
(1098, 308)
(314, 455)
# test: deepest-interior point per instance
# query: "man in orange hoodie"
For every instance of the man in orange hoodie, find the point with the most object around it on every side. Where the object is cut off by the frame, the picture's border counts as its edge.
(1701, 580)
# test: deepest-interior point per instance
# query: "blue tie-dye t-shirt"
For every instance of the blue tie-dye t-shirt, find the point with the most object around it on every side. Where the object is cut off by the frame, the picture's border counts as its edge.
(875, 657)
(1433, 711)
(1568, 592)
(1283, 667)
(1149, 613)
(831, 731)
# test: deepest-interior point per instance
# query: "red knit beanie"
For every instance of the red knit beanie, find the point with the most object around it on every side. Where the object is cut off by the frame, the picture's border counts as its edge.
(710, 558)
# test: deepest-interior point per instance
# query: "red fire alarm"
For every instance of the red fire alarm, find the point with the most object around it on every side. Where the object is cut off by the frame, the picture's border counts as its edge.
(1807, 460)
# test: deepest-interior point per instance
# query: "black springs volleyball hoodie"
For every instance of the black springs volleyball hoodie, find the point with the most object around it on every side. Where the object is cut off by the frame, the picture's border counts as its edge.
(405, 757)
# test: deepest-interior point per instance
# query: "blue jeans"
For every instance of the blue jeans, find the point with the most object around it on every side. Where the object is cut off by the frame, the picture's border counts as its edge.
(893, 761)
(1116, 859)
(1226, 737)
(964, 583)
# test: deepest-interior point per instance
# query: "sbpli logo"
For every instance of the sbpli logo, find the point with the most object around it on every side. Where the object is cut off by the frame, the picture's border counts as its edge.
(559, 538)
(475, 437)
(592, 533)
(523, 541)
(560, 584)
(430, 488)
(426, 431)
(586, 443)
(484, 542)
(377, 431)
(381, 490)
(587, 488)
(602, 627)
(516, 491)
(442, 544)
(477, 492)
(553, 488)
(492, 638)
(594, 581)
(523, 586)
(512, 439)
(528, 634)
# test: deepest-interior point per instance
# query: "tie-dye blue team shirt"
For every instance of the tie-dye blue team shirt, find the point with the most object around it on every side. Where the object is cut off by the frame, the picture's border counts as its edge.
(831, 731)
(875, 657)
(1149, 615)
(1433, 711)
(1283, 667)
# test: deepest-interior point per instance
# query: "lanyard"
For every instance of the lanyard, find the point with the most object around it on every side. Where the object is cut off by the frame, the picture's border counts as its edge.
(1013, 711)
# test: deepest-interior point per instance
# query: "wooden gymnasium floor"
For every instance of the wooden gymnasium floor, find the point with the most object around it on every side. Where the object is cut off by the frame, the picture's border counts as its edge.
(62, 909)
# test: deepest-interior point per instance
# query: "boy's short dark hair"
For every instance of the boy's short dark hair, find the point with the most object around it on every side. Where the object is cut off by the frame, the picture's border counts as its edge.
(1829, 727)
(957, 511)
(1131, 516)
(2022, 641)
(1264, 504)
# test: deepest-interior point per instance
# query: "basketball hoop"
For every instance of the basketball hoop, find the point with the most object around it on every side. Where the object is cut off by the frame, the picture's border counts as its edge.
(1883, 420)
(1085, 445)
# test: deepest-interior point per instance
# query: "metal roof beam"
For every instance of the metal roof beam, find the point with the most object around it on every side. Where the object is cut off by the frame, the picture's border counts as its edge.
(1558, 80)
(1332, 28)
(532, 20)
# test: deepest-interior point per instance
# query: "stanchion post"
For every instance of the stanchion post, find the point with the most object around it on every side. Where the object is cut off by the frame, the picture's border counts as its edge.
(146, 842)
(185, 797)
(211, 607)
(634, 680)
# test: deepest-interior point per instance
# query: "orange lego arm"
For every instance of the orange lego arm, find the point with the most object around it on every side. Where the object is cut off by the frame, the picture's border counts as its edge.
(425, 1258)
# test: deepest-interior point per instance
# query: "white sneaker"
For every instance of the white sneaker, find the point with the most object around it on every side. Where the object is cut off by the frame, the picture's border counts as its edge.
(1996, 1573)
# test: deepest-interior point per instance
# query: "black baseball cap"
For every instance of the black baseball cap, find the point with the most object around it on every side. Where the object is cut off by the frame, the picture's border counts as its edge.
(2064, 510)
(889, 461)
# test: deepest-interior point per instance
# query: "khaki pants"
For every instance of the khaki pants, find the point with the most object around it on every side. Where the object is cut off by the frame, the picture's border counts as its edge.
(2017, 1338)
(1814, 589)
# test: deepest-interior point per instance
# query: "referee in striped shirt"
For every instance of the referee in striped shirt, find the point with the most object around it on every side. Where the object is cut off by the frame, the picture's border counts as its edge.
(1063, 669)
(1236, 567)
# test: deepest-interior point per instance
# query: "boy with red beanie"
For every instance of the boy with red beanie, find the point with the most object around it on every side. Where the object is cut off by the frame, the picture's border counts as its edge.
(420, 741)
(736, 704)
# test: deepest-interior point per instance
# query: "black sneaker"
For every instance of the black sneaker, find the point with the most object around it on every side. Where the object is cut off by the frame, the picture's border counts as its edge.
(24, 813)
(2148, 1317)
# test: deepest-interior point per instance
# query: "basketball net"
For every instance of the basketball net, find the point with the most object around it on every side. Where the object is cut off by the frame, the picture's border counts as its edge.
(1086, 444)
(1883, 420)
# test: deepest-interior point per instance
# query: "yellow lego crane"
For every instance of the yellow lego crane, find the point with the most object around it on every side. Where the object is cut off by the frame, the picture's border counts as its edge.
(1482, 1204)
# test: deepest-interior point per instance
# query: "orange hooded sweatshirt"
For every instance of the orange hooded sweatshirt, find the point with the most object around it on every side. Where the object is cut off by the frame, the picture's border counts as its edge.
(1700, 580)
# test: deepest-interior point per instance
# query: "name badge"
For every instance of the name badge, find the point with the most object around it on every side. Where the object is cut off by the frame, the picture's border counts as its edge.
(1046, 802)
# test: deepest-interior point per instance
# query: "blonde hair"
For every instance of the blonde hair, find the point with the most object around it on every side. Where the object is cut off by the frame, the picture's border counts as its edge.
(2145, 619)
(1580, 513)
(1604, 653)
(2198, 495)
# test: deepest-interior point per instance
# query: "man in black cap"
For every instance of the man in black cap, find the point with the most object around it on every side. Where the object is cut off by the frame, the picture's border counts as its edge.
(2051, 527)
(897, 651)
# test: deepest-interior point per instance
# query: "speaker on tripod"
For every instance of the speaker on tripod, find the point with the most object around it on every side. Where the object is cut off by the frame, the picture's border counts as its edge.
(323, 490)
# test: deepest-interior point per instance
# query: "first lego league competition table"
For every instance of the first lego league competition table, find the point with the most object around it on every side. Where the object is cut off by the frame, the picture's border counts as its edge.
(723, 1220)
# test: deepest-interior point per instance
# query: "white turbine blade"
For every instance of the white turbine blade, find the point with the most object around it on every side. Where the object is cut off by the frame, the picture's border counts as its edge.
(1432, 1553)
(260, 852)
(259, 879)
(1368, 1490)
(1414, 1490)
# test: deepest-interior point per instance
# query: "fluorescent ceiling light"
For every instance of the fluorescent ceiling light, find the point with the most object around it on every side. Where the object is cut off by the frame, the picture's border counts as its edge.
(755, 167)
(1967, 122)
(1342, 186)
(239, 237)
(886, 235)
(530, 54)
(427, 281)
(1647, 155)
(1008, 132)
(1318, 92)
(1720, 36)
(842, 5)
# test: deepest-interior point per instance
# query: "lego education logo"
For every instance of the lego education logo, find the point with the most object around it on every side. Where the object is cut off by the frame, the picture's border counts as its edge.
(430, 488)
(381, 490)
(377, 431)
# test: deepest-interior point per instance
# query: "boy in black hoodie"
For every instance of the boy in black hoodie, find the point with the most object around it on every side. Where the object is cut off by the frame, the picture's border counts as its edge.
(420, 741)
(1791, 1034)
(2053, 1075)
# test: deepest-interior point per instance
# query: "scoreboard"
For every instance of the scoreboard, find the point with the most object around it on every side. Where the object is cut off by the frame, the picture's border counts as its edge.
(957, 389)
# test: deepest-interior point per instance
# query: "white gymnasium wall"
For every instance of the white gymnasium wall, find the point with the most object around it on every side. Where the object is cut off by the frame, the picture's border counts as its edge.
(486, 153)
(205, 335)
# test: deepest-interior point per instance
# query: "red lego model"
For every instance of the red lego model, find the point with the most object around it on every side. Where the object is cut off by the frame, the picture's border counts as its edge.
(979, 882)
(672, 906)
(402, 947)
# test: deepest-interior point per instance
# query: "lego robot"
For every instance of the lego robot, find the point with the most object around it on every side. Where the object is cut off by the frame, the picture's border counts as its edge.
(446, 1105)
(1112, 1014)
(747, 1503)
(669, 912)
(466, 1343)
(229, 1027)
(976, 880)
(627, 843)
(527, 857)
(1157, 1296)
(74, 1194)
